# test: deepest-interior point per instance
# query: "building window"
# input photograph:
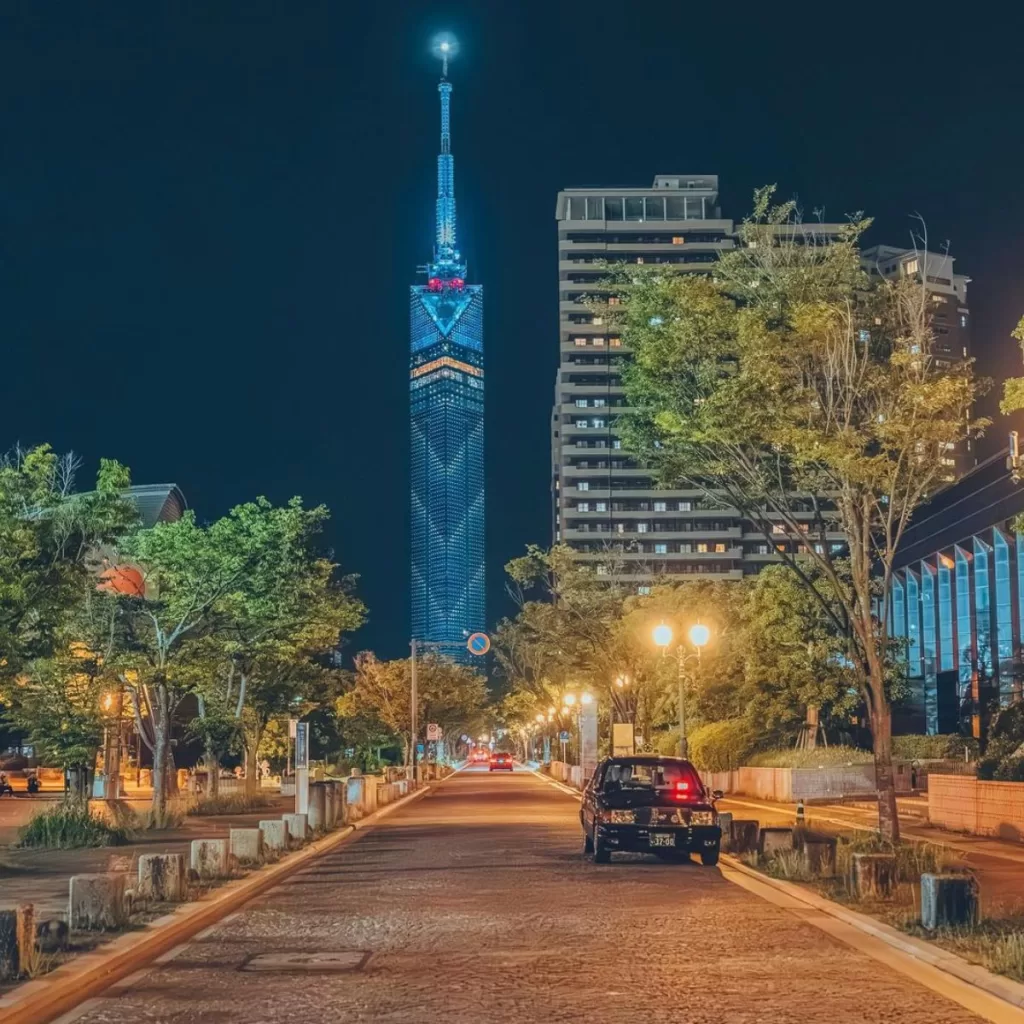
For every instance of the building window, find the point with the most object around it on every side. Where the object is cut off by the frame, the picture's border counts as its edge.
(963, 320)
(598, 342)
(912, 267)
(614, 300)
(928, 636)
(582, 506)
(678, 240)
(702, 548)
(634, 209)
(913, 626)
(580, 342)
(899, 610)
(1004, 612)
(778, 528)
(719, 548)
(583, 485)
(661, 549)
(595, 208)
(599, 423)
(643, 590)
(599, 403)
(581, 403)
(654, 208)
(660, 506)
(582, 424)
(762, 549)
(615, 342)
(643, 527)
(616, 443)
(612, 208)
(601, 506)
(946, 663)
(601, 569)
(964, 637)
(983, 606)
(620, 527)
(686, 506)
(598, 320)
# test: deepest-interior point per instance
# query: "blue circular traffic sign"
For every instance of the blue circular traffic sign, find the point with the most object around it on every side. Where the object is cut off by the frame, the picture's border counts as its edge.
(478, 643)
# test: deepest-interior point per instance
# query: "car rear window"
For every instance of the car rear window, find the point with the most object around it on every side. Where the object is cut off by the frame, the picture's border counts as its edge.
(648, 776)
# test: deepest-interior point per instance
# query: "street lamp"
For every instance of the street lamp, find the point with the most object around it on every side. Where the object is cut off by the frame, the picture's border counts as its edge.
(699, 635)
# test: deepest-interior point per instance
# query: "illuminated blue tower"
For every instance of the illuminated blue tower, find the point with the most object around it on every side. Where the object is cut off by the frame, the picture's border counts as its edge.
(446, 397)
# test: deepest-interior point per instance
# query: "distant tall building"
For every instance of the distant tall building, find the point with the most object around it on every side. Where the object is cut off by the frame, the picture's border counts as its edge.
(446, 391)
(951, 317)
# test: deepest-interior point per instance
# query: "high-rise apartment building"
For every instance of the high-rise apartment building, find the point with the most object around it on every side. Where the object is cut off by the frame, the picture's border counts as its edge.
(606, 506)
(951, 317)
(446, 392)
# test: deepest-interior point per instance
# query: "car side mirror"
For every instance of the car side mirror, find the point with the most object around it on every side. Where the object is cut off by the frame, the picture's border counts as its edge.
(717, 794)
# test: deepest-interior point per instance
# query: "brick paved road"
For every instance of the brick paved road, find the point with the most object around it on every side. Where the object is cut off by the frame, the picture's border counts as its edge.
(475, 905)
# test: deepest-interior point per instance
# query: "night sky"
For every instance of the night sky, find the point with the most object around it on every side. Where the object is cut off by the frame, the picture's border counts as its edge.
(210, 214)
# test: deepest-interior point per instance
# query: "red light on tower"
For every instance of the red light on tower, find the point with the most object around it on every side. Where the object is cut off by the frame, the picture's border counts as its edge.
(434, 284)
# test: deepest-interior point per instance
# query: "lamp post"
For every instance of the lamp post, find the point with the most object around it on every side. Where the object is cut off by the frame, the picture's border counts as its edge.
(699, 636)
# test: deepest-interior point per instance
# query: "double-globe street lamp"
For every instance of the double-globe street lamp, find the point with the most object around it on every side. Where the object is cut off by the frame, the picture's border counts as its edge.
(699, 636)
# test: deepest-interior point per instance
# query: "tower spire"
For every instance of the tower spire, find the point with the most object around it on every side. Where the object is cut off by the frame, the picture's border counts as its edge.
(445, 251)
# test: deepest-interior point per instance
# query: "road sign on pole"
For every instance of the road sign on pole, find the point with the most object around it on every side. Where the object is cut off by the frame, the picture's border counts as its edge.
(302, 744)
(478, 643)
(433, 732)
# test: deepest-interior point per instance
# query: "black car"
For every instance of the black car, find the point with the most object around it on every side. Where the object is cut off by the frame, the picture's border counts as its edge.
(649, 805)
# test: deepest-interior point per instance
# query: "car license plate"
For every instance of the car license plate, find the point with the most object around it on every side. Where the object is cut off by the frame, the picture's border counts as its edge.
(662, 839)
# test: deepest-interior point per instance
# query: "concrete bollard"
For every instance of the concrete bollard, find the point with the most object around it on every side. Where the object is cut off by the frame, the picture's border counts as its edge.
(949, 900)
(317, 809)
(744, 835)
(298, 827)
(275, 836)
(775, 840)
(210, 858)
(96, 902)
(246, 845)
(354, 789)
(820, 856)
(725, 824)
(873, 875)
(162, 877)
(17, 941)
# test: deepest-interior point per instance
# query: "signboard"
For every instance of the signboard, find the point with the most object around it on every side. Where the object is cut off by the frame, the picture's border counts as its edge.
(564, 736)
(623, 744)
(434, 733)
(302, 744)
(478, 643)
(292, 723)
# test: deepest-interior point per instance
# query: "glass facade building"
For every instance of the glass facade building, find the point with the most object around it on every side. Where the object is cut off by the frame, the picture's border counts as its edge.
(446, 399)
(958, 599)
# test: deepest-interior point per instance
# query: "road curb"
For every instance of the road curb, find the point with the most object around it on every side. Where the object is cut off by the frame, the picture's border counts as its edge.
(88, 975)
(972, 980)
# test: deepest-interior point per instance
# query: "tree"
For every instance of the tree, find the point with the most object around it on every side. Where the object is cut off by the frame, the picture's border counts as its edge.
(49, 535)
(450, 694)
(803, 392)
(289, 610)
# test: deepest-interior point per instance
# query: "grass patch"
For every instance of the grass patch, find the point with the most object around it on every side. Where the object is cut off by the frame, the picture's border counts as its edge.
(819, 757)
(997, 945)
(70, 826)
(230, 803)
(912, 858)
(151, 820)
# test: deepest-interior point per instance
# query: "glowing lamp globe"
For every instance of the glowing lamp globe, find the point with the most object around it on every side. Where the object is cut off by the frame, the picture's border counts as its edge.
(699, 635)
(662, 635)
(123, 579)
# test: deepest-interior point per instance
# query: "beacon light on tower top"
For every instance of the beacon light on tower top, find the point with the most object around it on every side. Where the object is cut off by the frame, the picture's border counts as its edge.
(445, 47)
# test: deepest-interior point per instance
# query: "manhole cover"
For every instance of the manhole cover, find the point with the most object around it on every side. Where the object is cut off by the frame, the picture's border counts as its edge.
(320, 960)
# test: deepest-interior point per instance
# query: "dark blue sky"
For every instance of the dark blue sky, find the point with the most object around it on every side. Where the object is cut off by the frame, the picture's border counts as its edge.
(210, 214)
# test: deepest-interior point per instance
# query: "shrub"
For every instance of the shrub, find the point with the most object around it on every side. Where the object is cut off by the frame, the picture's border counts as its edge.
(70, 826)
(1010, 769)
(818, 757)
(912, 858)
(721, 746)
(949, 747)
(230, 803)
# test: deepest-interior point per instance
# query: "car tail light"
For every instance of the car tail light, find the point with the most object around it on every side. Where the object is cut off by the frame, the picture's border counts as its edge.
(684, 791)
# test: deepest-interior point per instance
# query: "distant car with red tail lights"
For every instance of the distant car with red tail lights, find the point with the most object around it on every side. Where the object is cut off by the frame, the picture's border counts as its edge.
(480, 756)
(649, 805)
(499, 761)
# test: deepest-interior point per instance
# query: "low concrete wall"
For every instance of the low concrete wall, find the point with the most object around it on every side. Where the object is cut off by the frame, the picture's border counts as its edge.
(786, 785)
(965, 804)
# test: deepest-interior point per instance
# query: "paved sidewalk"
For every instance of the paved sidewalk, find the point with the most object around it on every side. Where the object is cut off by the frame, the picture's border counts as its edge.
(41, 876)
(997, 863)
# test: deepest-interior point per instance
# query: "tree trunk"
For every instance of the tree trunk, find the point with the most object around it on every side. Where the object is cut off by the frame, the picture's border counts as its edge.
(881, 734)
(212, 772)
(252, 736)
(161, 750)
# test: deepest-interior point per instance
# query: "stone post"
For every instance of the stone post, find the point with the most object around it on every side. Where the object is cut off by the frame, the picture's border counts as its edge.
(210, 858)
(96, 902)
(275, 836)
(873, 875)
(820, 856)
(162, 877)
(744, 835)
(298, 827)
(774, 841)
(725, 824)
(331, 808)
(317, 811)
(17, 941)
(246, 845)
(950, 900)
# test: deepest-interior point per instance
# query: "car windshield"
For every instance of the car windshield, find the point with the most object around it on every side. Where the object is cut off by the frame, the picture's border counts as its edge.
(647, 775)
